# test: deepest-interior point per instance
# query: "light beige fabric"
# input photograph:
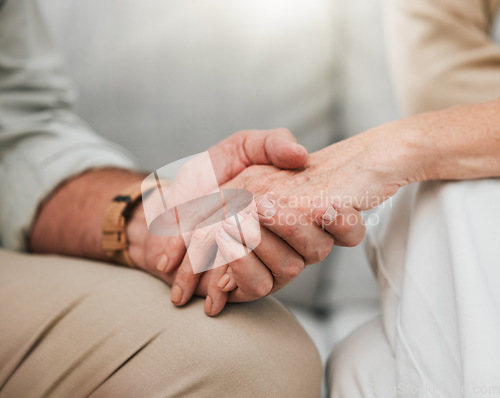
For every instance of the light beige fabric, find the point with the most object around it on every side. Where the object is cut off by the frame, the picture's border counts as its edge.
(442, 52)
(73, 328)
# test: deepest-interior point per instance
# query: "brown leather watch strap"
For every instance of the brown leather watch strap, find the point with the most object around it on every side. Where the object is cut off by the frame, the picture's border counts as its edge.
(114, 238)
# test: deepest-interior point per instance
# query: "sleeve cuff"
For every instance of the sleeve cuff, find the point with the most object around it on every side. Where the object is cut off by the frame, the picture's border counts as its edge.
(27, 183)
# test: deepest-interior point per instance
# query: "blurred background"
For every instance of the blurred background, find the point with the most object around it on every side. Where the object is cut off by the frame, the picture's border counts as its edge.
(168, 78)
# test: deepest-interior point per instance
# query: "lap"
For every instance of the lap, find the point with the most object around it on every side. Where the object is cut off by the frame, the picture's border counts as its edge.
(436, 258)
(76, 328)
(362, 365)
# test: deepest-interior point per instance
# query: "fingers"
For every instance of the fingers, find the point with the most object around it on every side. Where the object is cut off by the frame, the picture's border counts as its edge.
(159, 256)
(253, 279)
(284, 262)
(344, 223)
(185, 283)
(174, 250)
(297, 228)
(227, 282)
(276, 259)
(281, 150)
(270, 261)
(277, 147)
(216, 298)
(199, 257)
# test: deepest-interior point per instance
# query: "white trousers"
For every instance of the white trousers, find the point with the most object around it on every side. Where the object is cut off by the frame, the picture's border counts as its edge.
(436, 256)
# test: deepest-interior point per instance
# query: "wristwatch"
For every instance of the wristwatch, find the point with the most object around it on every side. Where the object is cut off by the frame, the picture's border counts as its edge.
(114, 238)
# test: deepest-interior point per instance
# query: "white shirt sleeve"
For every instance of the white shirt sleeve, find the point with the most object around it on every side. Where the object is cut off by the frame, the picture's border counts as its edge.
(42, 142)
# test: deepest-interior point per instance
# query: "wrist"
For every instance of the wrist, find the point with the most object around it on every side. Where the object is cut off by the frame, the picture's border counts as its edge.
(400, 150)
(137, 233)
(124, 223)
(70, 220)
(457, 143)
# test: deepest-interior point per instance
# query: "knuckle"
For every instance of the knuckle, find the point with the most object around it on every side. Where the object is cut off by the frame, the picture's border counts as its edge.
(184, 277)
(263, 288)
(325, 249)
(313, 257)
(320, 252)
(294, 268)
(173, 245)
(342, 229)
(289, 228)
(167, 278)
(258, 185)
(358, 237)
(201, 237)
(252, 238)
(234, 253)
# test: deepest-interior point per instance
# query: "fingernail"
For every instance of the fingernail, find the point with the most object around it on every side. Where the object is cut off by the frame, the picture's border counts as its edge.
(163, 263)
(266, 208)
(232, 220)
(176, 294)
(330, 214)
(223, 281)
(208, 305)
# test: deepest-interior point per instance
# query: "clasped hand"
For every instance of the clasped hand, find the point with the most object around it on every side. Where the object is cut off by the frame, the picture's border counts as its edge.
(305, 206)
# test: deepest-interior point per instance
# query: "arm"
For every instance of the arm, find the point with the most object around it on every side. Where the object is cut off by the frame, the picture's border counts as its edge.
(458, 143)
(69, 221)
(441, 52)
(51, 161)
(42, 142)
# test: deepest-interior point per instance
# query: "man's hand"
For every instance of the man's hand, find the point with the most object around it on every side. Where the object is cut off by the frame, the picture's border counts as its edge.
(69, 221)
(161, 255)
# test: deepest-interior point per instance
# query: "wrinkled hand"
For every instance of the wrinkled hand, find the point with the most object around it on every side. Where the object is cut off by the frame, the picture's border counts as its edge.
(161, 255)
(301, 214)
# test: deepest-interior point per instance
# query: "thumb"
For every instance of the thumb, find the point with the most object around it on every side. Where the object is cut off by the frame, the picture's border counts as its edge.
(276, 147)
(283, 151)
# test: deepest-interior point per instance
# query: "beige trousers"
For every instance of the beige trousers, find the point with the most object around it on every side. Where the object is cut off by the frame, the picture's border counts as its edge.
(76, 328)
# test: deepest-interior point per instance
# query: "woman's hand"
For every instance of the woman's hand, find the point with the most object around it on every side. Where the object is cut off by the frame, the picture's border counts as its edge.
(301, 214)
